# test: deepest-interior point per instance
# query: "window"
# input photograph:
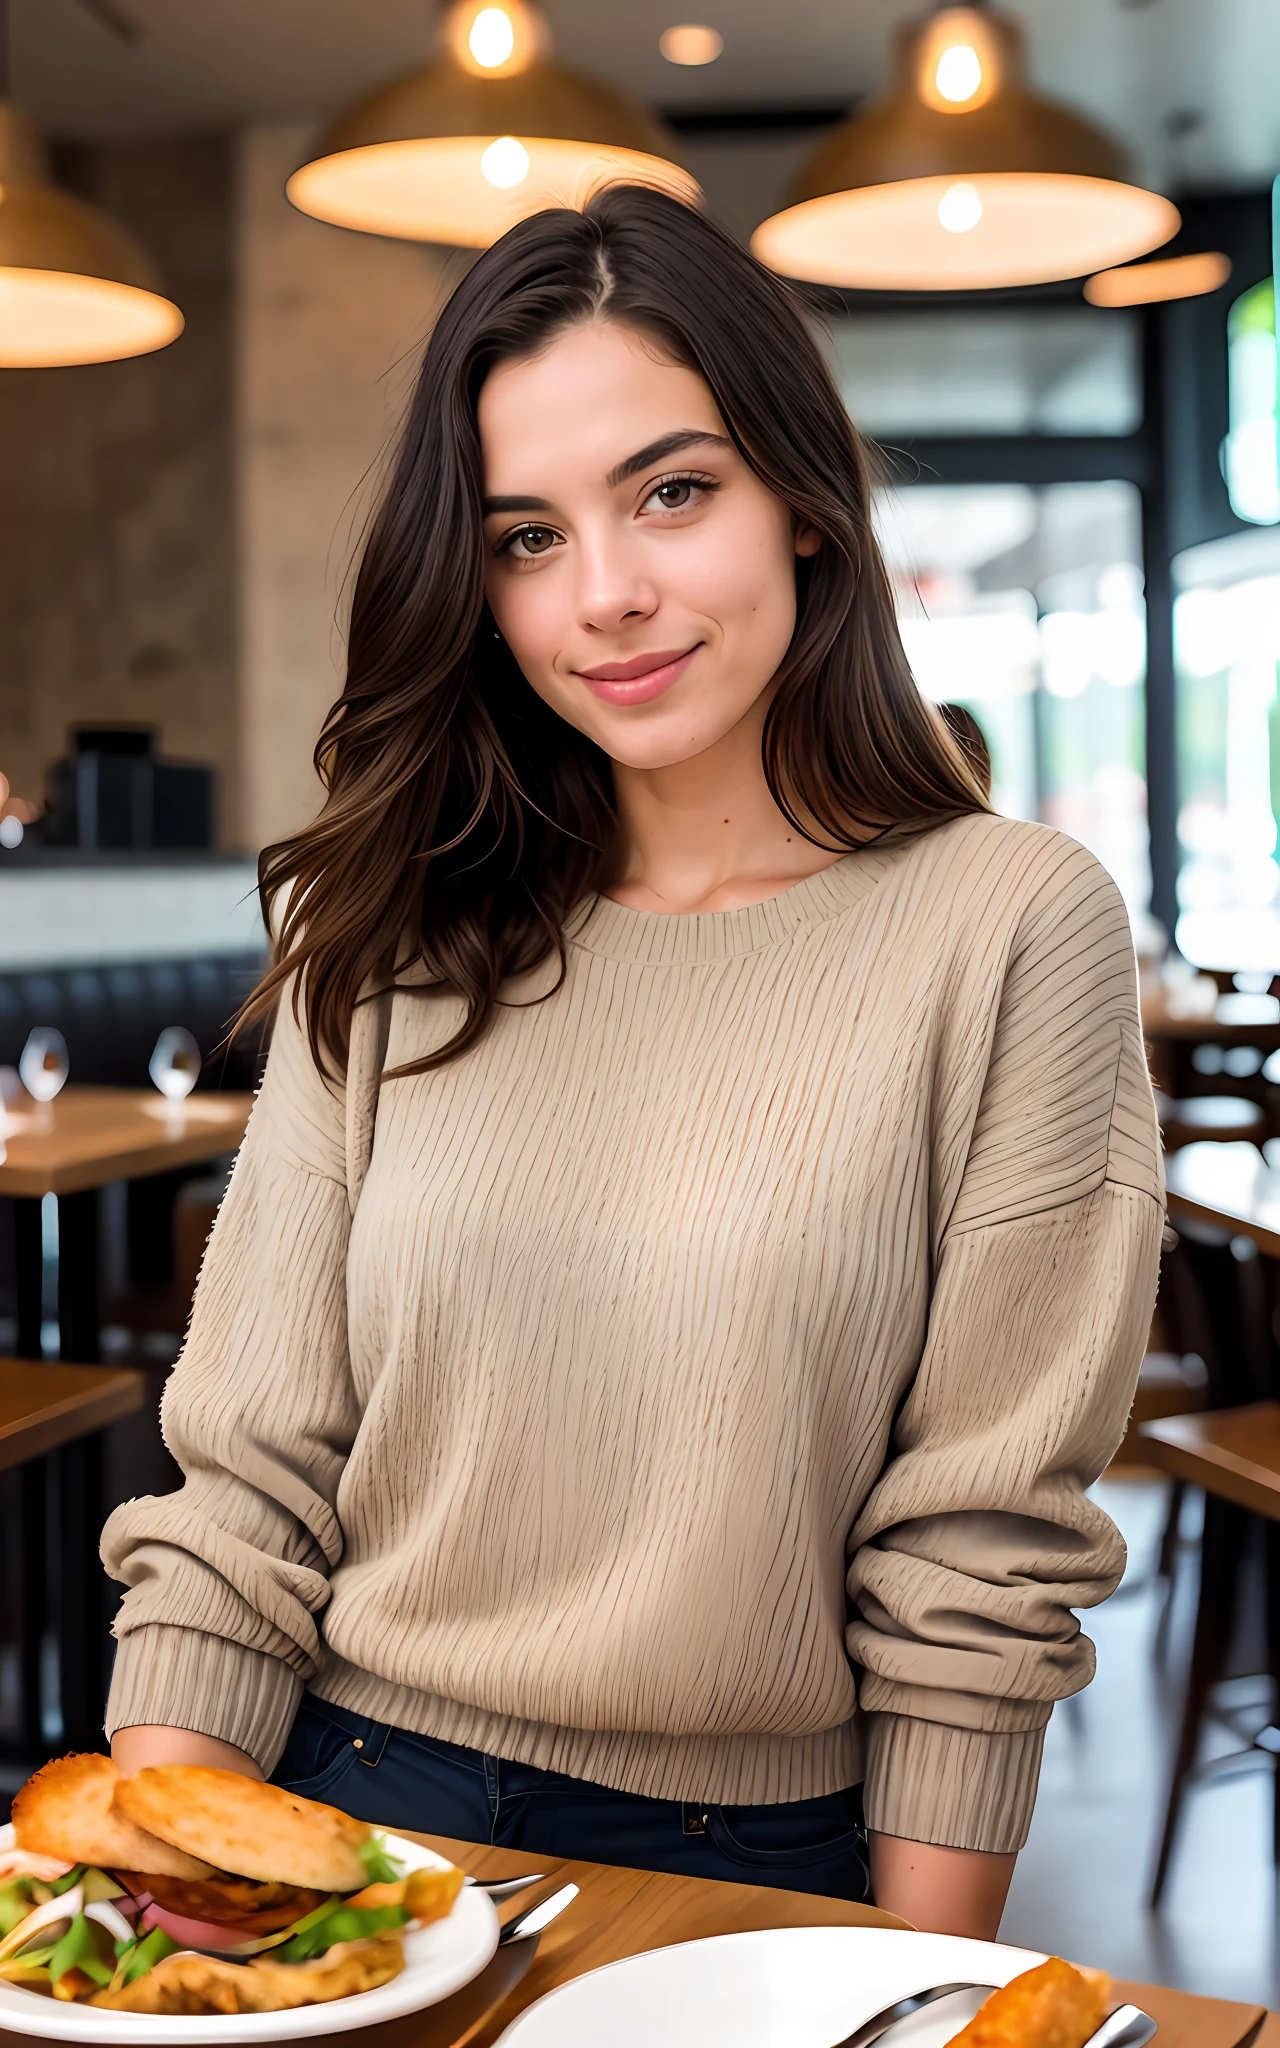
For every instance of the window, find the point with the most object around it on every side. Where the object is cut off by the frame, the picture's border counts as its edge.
(1249, 454)
(1025, 604)
(1226, 623)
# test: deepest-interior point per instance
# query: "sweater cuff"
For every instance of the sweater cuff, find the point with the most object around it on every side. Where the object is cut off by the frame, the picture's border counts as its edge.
(959, 1788)
(169, 1677)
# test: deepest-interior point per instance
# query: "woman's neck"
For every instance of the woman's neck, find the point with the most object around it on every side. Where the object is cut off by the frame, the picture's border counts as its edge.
(706, 834)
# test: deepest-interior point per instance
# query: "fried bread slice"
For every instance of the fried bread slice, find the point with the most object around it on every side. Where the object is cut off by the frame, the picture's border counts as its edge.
(68, 1810)
(1056, 2005)
(242, 1825)
(194, 1984)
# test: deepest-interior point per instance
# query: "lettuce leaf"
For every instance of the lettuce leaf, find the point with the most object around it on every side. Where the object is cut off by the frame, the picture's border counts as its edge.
(81, 1949)
(144, 1955)
(15, 1903)
(334, 1923)
(380, 1866)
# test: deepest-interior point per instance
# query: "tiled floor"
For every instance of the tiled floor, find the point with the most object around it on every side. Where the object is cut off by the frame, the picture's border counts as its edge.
(1082, 1881)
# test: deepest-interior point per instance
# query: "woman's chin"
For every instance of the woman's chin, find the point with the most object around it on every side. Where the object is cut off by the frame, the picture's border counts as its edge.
(657, 738)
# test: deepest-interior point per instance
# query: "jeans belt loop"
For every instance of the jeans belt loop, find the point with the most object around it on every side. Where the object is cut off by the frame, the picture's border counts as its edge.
(371, 1744)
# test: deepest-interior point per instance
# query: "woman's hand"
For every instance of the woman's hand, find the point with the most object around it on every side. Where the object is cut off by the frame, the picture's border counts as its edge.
(134, 1748)
(941, 1891)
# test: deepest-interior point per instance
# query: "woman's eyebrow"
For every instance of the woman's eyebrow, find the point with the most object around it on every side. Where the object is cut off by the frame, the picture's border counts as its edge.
(489, 505)
(657, 451)
(667, 444)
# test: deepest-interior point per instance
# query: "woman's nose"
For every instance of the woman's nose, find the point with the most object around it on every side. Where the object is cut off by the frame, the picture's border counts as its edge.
(613, 586)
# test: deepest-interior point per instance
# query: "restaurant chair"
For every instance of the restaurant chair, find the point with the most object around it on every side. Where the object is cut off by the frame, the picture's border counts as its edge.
(1234, 1455)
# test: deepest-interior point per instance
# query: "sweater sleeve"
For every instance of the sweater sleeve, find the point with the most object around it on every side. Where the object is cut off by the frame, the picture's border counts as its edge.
(979, 1540)
(228, 1576)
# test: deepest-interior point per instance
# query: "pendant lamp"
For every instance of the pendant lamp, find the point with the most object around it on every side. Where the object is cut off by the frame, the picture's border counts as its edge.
(492, 130)
(74, 286)
(960, 177)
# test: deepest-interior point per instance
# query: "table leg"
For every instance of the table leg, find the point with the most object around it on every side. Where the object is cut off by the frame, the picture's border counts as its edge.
(29, 1261)
(81, 1604)
(80, 1608)
(34, 1606)
(31, 1480)
(78, 1307)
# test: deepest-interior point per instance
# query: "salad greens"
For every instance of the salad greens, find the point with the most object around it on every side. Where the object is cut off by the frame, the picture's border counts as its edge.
(103, 1957)
(85, 1946)
(16, 1900)
(145, 1954)
(334, 1922)
(380, 1866)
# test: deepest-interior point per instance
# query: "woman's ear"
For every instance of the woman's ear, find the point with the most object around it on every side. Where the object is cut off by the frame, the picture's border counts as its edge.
(808, 539)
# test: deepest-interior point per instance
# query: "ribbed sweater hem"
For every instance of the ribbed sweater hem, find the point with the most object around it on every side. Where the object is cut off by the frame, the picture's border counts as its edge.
(959, 1788)
(731, 1770)
(168, 1677)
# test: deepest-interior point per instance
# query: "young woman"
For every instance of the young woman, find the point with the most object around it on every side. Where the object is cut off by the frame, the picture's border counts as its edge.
(695, 1241)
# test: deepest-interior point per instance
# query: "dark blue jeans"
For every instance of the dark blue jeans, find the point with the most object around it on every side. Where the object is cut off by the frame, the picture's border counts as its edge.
(393, 1778)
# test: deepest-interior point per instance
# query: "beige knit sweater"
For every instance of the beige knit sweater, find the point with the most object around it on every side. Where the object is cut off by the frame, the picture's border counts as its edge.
(698, 1391)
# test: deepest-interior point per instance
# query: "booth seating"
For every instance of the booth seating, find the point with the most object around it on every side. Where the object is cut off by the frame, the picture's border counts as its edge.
(112, 1015)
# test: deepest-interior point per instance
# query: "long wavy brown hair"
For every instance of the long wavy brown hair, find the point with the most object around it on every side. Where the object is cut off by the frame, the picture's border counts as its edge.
(465, 823)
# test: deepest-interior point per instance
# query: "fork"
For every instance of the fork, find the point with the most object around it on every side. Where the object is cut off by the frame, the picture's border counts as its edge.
(527, 1926)
(505, 1887)
(901, 2009)
(1127, 2027)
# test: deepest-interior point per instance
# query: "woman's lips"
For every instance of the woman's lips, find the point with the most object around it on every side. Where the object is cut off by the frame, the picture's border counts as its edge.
(640, 680)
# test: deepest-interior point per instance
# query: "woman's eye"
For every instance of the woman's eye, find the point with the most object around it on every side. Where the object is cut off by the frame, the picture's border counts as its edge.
(677, 493)
(533, 540)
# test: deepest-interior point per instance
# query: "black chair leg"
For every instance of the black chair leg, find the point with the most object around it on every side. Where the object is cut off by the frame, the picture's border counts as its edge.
(1221, 1551)
(1166, 1562)
(1272, 1537)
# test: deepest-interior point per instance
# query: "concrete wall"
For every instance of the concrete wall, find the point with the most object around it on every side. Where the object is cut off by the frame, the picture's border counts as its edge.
(330, 327)
(116, 508)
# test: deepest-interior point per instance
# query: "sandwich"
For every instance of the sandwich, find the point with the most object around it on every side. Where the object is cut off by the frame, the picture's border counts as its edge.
(184, 1890)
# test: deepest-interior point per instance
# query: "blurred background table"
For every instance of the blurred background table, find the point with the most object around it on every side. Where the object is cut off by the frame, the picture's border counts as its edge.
(46, 1411)
(1227, 1187)
(70, 1149)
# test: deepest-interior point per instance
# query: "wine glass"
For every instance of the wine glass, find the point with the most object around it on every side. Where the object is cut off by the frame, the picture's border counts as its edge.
(175, 1064)
(44, 1064)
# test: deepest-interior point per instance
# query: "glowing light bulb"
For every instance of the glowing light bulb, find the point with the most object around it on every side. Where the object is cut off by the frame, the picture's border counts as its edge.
(691, 42)
(505, 163)
(492, 38)
(959, 208)
(959, 73)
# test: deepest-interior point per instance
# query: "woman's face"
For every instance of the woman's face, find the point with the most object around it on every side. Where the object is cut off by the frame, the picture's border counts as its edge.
(640, 572)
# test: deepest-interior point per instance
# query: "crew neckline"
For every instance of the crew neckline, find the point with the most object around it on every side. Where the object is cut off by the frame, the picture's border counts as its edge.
(675, 937)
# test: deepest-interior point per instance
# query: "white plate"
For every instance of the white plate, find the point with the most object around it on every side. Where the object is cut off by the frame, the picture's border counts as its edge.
(789, 1987)
(437, 1961)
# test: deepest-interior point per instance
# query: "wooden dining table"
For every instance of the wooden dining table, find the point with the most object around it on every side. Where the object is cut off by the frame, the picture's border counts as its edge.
(1176, 1021)
(621, 1912)
(71, 1148)
(1228, 1186)
(46, 1409)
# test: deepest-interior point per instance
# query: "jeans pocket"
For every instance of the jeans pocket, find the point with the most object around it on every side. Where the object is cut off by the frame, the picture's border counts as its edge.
(801, 1843)
(319, 1752)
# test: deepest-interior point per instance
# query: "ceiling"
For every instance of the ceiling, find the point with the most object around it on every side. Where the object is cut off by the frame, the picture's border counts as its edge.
(1190, 83)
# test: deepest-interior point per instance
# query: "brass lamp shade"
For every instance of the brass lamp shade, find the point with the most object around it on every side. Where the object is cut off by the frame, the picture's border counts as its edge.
(74, 286)
(448, 156)
(917, 195)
